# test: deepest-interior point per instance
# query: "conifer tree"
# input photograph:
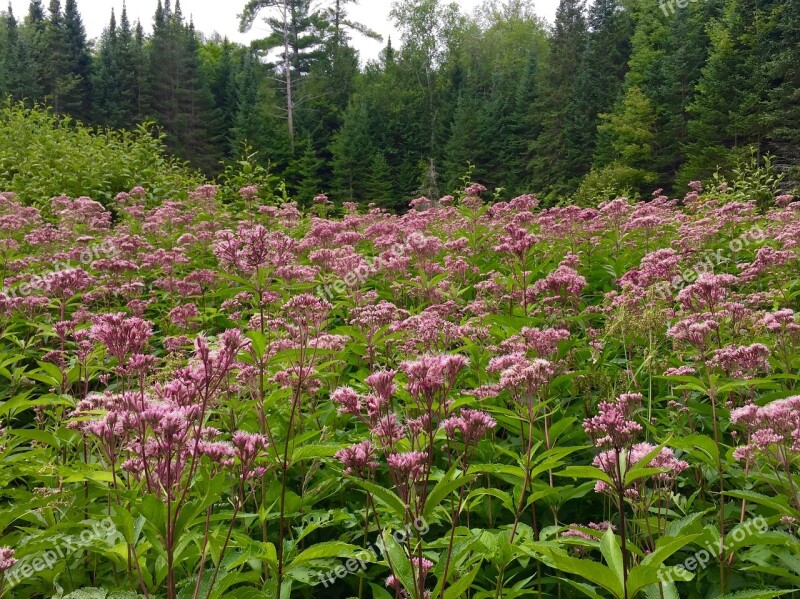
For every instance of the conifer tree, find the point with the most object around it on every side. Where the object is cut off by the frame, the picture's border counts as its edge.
(78, 100)
(555, 145)
(21, 81)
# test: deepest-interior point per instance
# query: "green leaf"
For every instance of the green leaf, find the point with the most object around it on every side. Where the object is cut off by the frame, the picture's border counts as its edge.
(462, 585)
(584, 588)
(592, 571)
(448, 483)
(325, 550)
(665, 547)
(585, 472)
(311, 452)
(387, 497)
(613, 554)
(398, 562)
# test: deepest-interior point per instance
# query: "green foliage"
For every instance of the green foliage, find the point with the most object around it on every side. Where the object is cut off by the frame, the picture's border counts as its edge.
(750, 178)
(52, 155)
(662, 91)
(611, 181)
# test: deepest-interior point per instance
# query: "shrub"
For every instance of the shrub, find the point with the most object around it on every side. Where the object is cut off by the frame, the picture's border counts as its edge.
(48, 155)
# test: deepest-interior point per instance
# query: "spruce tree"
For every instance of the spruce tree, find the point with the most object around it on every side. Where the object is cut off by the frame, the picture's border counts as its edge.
(525, 127)
(555, 145)
(308, 173)
(379, 187)
(78, 100)
(602, 74)
(108, 109)
(60, 81)
(34, 34)
(22, 82)
(141, 75)
(352, 150)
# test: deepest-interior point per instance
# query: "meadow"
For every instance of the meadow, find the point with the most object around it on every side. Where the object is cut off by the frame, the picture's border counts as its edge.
(217, 394)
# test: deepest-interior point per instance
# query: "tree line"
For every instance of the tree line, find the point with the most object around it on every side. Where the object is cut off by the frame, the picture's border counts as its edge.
(618, 96)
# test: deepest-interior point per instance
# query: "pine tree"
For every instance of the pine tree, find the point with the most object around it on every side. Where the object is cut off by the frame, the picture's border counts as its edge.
(556, 143)
(307, 173)
(463, 144)
(4, 55)
(21, 81)
(222, 84)
(627, 141)
(782, 110)
(141, 75)
(602, 74)
(352, 150)
(109, 98)
(525, 127)
(181, 100)
(742, 96)
(258, 122)
(59, 81)
(78, 100)
(296, 34)
(379, 187)
(34, 34)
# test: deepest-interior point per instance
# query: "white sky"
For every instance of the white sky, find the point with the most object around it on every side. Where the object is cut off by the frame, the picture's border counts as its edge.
(222, 16)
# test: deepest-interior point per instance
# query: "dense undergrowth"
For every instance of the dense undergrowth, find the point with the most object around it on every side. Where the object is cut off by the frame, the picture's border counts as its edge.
(44, 155)
(472, 399)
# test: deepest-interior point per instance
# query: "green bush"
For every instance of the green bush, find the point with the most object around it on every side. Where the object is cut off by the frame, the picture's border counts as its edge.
(45, 155)
(612, 181)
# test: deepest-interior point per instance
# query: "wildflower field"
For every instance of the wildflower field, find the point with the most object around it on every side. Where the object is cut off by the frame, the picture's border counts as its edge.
(205, 399)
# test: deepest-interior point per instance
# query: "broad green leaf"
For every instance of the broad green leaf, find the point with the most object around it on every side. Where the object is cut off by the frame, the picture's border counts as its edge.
(613, 554)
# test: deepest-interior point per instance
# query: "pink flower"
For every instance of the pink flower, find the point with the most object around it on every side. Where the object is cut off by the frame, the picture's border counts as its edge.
(388, 431)
(248, 444)
(122, 335)
(249, 192)
(431, 375)
(182, 315)
(409, 466)
(563, 281)
(741, 361)
(382, 382)
(522, 377)
(358, 459)
(6, 558)
(474, 189)
(347, 399)
(613, 427)
(473, 425)
(707, 293)
(776, 423)
(766, 261)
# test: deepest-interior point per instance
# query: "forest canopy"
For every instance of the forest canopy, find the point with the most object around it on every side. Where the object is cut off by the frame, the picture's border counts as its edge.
(615, 97)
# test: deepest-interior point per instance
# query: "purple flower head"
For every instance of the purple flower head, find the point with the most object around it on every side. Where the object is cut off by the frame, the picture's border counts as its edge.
(348, 400)
(408, 466)
(6, 558)
(612, 427)
(382, 382)
(741, 361)
(473, 425)
(122, 335)
(358, 459)
(432, 374)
